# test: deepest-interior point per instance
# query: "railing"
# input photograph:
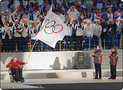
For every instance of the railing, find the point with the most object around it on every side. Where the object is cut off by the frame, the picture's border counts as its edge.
(67, 44)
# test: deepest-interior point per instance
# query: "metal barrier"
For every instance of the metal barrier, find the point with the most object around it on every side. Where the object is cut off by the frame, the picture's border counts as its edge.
(67, 44)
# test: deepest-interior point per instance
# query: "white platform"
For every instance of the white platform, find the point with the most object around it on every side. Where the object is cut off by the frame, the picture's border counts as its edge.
(56, 81)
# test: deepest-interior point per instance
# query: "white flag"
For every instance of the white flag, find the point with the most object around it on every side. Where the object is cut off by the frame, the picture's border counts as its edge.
(53, 29)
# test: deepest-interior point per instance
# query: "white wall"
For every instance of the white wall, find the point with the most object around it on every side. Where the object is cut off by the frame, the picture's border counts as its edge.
(44, 60)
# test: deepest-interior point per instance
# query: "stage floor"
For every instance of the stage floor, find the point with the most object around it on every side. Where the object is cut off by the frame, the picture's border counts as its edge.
(57, 83)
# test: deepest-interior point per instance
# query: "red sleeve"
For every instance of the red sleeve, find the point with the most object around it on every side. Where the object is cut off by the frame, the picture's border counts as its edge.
(8, 65)
(111, 57)
(21, 63)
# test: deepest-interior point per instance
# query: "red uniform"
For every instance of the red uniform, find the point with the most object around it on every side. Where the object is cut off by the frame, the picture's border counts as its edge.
(15, 65)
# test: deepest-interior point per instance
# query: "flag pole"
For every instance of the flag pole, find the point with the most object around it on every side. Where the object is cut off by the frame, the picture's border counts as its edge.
(60, 45)
(33, 46)
(30, 44)
(31, 51)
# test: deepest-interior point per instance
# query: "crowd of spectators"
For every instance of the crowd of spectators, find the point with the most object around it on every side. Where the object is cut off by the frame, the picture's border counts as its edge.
(103, 24)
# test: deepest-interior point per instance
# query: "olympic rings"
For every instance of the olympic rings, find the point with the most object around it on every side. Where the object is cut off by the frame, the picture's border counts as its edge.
(47, 20)
(49, 26)
(53, 29)
(47, 32)
(52, 26)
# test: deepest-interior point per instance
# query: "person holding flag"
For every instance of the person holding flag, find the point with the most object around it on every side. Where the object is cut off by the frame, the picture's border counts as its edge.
(113, 62)
(14, 64)
(97, 61)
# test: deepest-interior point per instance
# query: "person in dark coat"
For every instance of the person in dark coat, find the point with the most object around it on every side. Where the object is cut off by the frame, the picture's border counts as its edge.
(104, 35)
(97, 61)
(111, 33)
(113, 62)
(14, 64)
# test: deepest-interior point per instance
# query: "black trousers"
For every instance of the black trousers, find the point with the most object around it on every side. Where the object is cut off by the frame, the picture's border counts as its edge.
(104, 41)
(98, 71)
(18, 42)
(18, 74)
(24, 44)
(113, 71)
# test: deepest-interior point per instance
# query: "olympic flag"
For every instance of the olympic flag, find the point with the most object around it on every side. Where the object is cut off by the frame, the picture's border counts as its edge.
(53, 29)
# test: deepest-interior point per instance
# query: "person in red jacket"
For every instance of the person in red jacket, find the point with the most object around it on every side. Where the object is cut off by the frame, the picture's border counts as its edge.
(14, 64)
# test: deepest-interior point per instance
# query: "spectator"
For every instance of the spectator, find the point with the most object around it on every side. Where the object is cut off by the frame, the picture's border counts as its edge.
(26, 13)
(108, 5)
(54, 4)
(22, 8)
(20, 15)
(42, 6)
(31, 5)
(64, 6)
(93, 15)
(74, 28)
(25, 34)
(84, 24)
(121, 34)
(58, 12)
(97, 33)
(79, 31)
(31, 14)
(79, 34)
(88, 15)
(118, 5)
(47, 7)
(1, 23)
(81, 15)
(36, 14)
(83, 5)
(100, 4)
(104, 36)
(112, 33)
(110, 15)
(72, 13)
(118, 38)
(98, 15)
(10, 3)
(33, 32)
(104, 14)
(118, 14)
(69, 24)
(17, 36)
(88, 34)
(6, 36)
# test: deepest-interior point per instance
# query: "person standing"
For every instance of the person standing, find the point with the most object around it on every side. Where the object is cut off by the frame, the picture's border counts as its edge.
(25, 34)
(97, 33)
(112, 34)
(104, 35)
(6, 37)
(113, 62)
(17, 35)
(88, 35)
(97, 61)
